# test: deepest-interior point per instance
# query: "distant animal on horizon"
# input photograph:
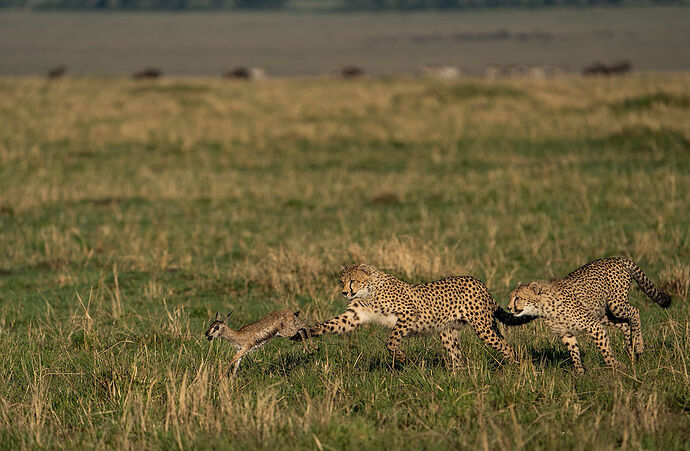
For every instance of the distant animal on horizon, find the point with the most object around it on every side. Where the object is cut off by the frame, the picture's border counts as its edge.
(440, 72)
(598, 68)
(494, 72)
(589, 299)
(245, 73)
(442, 306)
(349, 72)
(282, 323)
(149, 73)
(57, 72)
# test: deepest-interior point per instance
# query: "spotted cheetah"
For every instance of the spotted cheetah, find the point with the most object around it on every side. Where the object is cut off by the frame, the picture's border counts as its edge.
(443, 305)
(588, 299)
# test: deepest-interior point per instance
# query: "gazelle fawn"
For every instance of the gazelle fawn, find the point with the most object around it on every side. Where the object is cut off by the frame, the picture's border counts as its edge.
(283, 323)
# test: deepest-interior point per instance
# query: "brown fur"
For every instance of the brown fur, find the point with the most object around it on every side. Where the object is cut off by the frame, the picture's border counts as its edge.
(282, 323)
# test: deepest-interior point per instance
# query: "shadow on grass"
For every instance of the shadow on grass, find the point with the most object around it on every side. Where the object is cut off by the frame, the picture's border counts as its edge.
(434, 361)
(282, 366)
(549, 357)
(287, 363)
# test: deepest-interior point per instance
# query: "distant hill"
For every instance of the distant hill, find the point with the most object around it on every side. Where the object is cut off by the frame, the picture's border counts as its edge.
(333, 5)
(143, 4)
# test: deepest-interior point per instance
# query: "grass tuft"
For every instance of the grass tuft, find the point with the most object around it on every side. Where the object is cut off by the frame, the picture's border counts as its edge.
(650, 101)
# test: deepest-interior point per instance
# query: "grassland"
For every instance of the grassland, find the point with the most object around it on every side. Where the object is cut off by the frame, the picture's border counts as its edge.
(131, 212)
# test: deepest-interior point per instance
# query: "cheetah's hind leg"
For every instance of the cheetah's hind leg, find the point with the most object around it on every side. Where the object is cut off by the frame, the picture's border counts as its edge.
(611, 320)
(488, 331)
(623, 310)
(600, 336)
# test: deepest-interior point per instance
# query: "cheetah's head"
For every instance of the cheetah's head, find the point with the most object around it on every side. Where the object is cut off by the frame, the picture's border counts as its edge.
(525, 300)
(217, 327)
(356, 281)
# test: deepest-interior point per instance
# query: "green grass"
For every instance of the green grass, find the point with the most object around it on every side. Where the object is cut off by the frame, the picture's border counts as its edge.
(130, 212)
(650, 101)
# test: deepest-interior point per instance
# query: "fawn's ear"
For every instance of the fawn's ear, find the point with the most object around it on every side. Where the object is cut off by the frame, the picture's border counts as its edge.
(534, 286)
(228, 316)
(217, 317)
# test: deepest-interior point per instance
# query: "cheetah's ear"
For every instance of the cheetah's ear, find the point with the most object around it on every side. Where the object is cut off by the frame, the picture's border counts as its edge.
(534, 286)
(218, 318)
(366, 269)
(342, 268)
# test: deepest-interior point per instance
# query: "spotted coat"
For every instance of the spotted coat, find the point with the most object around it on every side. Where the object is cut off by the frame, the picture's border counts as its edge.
(589, 299)
(441, 306)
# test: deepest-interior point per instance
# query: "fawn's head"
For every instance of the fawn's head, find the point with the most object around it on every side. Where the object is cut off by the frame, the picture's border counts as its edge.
(217, 327)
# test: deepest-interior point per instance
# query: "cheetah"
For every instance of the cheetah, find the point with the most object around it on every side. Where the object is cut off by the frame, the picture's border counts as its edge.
(588, 299)
(442, 306)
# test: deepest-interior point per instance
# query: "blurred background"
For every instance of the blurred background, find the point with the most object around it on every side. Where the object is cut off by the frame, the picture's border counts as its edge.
(310, 37)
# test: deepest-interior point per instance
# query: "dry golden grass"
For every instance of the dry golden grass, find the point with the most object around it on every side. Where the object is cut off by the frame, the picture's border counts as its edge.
(130, 212)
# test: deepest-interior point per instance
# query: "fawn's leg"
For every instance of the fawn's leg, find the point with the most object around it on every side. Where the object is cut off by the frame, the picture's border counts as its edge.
(306, 340)
(238, 358)
(237, 365)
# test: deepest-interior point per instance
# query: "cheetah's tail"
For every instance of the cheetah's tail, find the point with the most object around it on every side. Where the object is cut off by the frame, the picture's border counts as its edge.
(509, 319)
(655, 294)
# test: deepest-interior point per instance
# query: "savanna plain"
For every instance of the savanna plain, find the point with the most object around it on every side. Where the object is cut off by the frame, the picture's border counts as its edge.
(130, 212)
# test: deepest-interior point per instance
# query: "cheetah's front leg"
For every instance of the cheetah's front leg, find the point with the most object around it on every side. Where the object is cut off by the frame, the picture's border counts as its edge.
(340, 324)
(451, 342)
(400, 330)
(570, 342)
